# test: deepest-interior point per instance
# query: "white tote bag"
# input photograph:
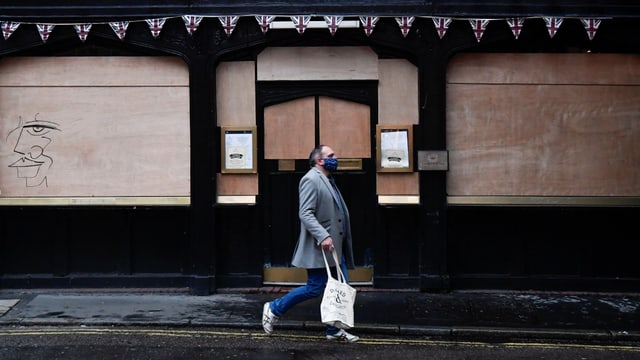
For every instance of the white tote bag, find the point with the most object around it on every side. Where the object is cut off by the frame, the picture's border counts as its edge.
(336, 308)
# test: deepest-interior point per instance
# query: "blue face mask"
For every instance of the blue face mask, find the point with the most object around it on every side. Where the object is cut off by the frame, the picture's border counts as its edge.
(330, 164)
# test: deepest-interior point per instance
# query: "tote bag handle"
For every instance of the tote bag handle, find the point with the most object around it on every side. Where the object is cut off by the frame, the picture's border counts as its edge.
(328, 268)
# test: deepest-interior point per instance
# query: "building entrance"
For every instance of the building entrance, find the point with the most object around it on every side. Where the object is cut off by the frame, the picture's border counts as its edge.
(290, 130)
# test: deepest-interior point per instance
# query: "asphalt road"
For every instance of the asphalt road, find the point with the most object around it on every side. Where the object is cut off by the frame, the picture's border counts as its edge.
(215, 343)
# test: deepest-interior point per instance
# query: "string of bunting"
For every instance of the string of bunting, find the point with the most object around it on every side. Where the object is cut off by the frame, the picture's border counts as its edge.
(301, 23)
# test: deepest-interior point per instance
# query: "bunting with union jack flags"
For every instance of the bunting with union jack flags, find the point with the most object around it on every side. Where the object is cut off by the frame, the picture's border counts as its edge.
(301, 23)
(479, 26)
(45, 31)
(405, 24)
(591, 25)
(264, 22)
(82, 31)
(442, 24)
(191, 23)
(8, 27)
(553, 24)
(333, 22)
(368, 23)
(155, 26)
(516, 26)
(229, 23)
(120, 28)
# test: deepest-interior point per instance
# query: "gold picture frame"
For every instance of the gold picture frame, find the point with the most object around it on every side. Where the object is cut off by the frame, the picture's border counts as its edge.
(239, 151)
(394, 148)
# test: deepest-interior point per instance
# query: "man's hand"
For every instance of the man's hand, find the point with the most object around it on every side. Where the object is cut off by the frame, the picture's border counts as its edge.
(327, 244)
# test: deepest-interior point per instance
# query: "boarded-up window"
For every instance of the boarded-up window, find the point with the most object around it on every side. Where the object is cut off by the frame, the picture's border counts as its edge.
(94, 127)
(544, 125)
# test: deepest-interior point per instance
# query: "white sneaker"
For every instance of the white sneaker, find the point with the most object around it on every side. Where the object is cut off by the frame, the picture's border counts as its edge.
(343, 336)
(268, 319)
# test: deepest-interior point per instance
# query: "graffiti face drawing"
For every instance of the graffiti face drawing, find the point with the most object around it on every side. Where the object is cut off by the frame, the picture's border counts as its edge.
(33, 139)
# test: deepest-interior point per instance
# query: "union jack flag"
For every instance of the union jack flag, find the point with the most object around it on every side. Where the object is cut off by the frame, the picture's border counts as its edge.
(368, 23)
(264, 22)
(442, 24)
(229, 23)
(8, 27)
(120, 28)
(155, 25)
(333, 22)
(405, 24)
(83, 31)
(591, 25)
(191, 23)
(516, 25)
(45, 30)
(553, 24)
(301, 23)
(479, 26)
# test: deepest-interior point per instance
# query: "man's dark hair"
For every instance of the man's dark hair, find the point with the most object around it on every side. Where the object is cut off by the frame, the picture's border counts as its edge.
(316, 154)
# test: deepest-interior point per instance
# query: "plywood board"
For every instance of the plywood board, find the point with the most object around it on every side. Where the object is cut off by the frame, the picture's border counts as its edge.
(317, 63)
(87, 140)
(397, 92)
(93, 71)
(597, 69)
(346, 127)
(289, 129)
(235, 93)
(237, 184)
(543, 140)
(397, 184)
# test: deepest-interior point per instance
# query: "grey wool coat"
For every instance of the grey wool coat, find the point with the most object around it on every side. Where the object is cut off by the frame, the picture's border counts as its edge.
(319, 218)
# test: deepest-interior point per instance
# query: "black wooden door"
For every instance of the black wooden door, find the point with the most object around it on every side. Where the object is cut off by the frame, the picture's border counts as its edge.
(290, 128)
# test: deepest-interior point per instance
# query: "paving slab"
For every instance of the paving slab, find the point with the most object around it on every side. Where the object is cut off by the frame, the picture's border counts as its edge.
(7, 304)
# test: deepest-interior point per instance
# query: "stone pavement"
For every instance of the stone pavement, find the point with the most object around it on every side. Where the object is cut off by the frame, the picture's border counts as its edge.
(491, 316)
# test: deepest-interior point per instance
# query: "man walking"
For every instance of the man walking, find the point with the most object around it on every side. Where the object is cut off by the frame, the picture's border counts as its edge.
(324, 225)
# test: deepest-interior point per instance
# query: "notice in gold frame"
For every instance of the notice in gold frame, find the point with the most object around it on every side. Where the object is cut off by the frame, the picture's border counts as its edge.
(239, 153)
(394, 148)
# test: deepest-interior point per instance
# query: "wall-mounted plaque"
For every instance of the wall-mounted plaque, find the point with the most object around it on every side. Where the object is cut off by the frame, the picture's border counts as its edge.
(433, 160)
(350, 164)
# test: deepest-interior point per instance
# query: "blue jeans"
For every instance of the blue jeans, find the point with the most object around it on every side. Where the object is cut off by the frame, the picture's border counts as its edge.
(316, 282)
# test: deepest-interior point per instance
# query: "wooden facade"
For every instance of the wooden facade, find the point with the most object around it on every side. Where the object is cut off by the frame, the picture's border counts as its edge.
(525, 150)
